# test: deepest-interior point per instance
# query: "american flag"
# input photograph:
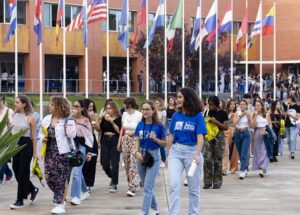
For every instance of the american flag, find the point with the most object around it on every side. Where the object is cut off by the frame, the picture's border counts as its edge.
(96, 12)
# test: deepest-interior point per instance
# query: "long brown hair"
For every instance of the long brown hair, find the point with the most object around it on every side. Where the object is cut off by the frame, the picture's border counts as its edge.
(115, 108)
(61, 105)
(228, 106)
(263, 109)
(154, 116)
(28, 109)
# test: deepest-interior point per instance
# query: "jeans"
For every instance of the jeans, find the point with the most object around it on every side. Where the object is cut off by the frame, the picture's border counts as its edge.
(148, 176)
(162, 153)
(78, 184)
(242, 141)
(5, 170)
(180, 158)
(291, 134)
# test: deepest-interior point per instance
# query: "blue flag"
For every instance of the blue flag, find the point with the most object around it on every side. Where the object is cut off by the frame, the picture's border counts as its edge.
(123, 26)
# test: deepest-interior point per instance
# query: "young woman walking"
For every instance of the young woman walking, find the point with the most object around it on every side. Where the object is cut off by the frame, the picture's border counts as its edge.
(187, 130)
(57, 168)
(149, 136)
(24, 119)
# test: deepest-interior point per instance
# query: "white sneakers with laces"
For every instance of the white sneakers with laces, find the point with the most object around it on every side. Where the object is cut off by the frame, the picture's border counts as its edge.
(59, 209)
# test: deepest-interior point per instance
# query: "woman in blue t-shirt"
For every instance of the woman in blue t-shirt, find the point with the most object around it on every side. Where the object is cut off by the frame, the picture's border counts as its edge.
(187, 130)
(149, 136)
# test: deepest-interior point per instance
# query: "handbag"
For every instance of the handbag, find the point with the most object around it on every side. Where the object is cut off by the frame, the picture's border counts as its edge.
(148, 160)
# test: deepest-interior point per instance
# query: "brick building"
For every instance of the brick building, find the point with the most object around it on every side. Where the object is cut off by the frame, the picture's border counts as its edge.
(288, 33)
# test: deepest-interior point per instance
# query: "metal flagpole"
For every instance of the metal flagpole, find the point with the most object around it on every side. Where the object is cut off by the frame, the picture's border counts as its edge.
(64, 53)
(183, 47)
(274, 65)
(107, 53)
(128, 72)
(260, 51)
(246, 65)
(41, 69)
(86, 57)
(200, 55)
(216, 52)
(147, 52)
(231, 62)
(166, 55)
(16, 55)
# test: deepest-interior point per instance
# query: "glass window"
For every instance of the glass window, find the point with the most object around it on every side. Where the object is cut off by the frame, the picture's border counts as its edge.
(21, 13)
(68, 15)
(250, 27)
(1, 11)
(236, 27)
(4, 12)
(47, 15)
(114, 17)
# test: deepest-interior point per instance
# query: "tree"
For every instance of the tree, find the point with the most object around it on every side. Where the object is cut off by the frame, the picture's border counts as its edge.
(156, 58)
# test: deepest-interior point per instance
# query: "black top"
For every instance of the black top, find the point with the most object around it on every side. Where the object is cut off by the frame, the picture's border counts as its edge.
(219, 115)
(288, 122)
(107, 126)
(276, 120)
(170, 113)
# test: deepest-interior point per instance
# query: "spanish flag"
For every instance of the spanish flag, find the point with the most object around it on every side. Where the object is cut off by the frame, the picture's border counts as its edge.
(268, 23)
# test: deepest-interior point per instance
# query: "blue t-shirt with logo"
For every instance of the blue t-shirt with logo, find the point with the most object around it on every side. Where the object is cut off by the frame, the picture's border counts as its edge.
(143, 130)
(185, 128)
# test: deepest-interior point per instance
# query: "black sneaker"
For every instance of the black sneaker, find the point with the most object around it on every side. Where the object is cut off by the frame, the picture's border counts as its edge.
(292, 155)
(217, 186)
(17, 205)
(34, 193)
(207, 186)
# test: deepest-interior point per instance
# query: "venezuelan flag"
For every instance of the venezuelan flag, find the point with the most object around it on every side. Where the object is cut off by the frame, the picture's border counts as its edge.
(268, 23)
(60, 12)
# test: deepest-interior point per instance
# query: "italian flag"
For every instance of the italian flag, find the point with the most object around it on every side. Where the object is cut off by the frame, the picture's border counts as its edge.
(176, 23)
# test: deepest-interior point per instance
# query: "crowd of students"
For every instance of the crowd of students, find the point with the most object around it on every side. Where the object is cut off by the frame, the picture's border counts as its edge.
(218, 137)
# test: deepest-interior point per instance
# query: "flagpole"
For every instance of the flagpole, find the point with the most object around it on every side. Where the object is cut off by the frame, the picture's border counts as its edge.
(274, 66)
(183, 47)
(166, 54)
(247, 75)
(231, 62)
(200, 55)
(260, 61)
(147, 52)
(86, 56)
(16, 55)
(107, 53)
(41, 68)
(64, 53)
(216, 52)
(128, 73)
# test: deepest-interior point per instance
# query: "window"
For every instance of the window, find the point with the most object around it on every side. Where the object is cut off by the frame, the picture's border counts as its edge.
(114, 17)
(151, 17)
(236, 27)
(50, 13)
(4, 13)
(250, 27)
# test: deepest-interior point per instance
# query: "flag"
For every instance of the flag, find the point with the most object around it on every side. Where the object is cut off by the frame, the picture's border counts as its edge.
(225, 26)
(257, 28)
(123, 26)
(85, 24)
(243, 30)
(159, 20)
(208, 26)
(60, 13)
(96, 11)
(176, 22)
(13, 19)
(196, 28)
(268, 23)
(141, 22)
(38, 21)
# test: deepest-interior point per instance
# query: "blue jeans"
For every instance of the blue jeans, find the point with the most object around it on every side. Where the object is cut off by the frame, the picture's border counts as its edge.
(291, 134)
(180, 158)
(5, 170)
(78, 184)
(242, 141)
(148, 176)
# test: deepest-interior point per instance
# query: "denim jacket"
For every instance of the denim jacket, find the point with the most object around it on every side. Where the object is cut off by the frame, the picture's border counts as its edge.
(62, 133)
(269, 140)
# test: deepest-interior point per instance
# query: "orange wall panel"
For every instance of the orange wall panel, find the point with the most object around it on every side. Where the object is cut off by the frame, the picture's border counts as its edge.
(23, 39)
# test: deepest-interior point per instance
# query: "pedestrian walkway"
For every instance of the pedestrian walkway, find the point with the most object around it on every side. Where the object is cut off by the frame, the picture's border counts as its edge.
(277, 194)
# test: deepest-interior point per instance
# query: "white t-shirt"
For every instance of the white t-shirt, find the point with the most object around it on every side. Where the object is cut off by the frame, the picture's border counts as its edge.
(261, 122)
(130, 121)
(161, 114)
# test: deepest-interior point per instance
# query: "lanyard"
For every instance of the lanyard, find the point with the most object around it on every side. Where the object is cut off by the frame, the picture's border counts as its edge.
(146, 141)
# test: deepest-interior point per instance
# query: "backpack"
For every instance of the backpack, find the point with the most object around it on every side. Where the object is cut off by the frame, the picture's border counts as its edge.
(212, 129)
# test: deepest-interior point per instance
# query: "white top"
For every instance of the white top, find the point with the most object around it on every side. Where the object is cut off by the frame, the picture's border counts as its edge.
(261, 122)
(20, 121)
(243, 123)
(161, 114)
(130, 121)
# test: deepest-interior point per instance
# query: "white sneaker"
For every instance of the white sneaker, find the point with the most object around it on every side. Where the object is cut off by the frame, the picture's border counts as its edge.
(261, 173)
(242, 175)
(59, 209)
(130, 193)
(75, 201)
(84, 196)
(162, 165)
(155, 212)
(185, 182)
(64, 204)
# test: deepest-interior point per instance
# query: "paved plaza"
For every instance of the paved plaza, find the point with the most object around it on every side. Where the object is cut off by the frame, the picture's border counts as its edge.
(277, 194)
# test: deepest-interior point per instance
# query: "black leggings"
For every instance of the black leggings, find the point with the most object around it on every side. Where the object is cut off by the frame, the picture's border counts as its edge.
(21, 167)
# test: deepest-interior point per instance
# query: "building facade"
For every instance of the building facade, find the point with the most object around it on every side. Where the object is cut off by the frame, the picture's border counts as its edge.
(288, 33)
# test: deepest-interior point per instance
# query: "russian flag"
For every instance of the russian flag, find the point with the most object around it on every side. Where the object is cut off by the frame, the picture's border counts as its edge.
(37, 27)
(268, 23)
(159, 20)
(123, 26)
(209, 25)
(196, 29)
(13, 19)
